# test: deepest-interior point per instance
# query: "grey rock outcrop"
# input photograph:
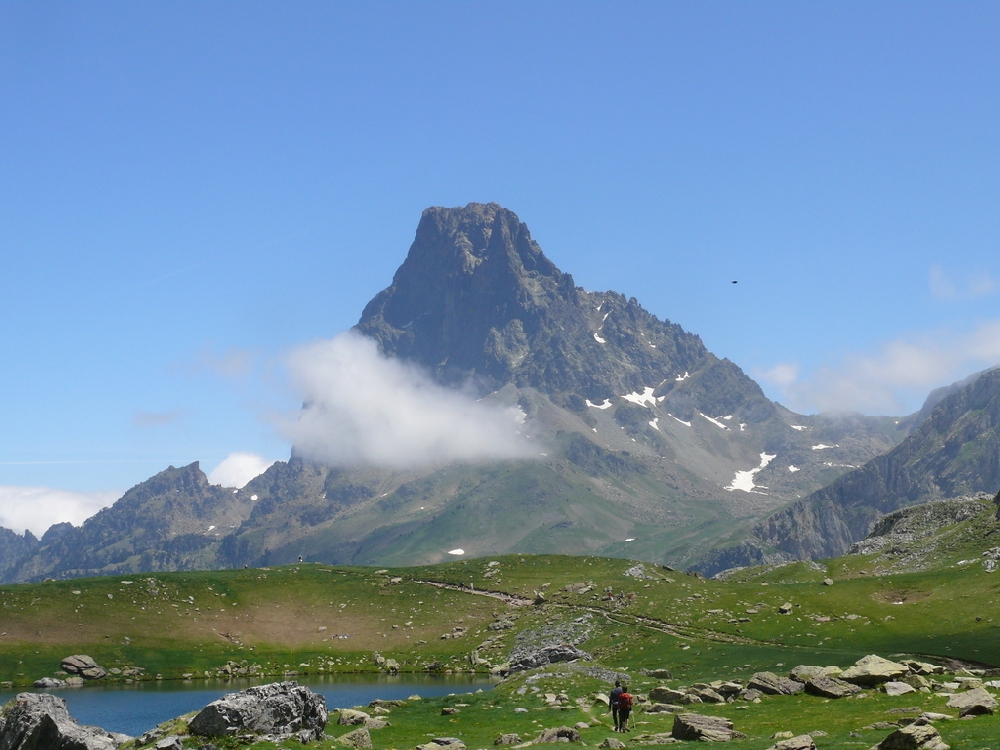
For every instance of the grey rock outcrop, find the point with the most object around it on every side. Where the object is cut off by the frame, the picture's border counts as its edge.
(277, 709)
(704, 728)
(927, 465)
(973, 702)
(830, 687)
(873, 670)
(48, 682)
(359, 739)
(666, 695)
(556, 734)
(33, 721)
(549, 655)
(612, 743)
(898, 688)
(800, 742)
(510, 738)
(770, 683)
(83, 665)
(917, 736)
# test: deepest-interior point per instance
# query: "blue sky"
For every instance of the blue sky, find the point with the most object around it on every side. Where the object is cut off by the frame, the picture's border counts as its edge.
(190, 192)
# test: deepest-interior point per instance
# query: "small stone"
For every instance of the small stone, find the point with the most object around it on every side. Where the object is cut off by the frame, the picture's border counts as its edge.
(511, 738)
(612, 743)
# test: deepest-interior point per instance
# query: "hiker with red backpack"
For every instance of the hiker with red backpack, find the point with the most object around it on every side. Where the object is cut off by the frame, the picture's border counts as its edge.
(624, 709)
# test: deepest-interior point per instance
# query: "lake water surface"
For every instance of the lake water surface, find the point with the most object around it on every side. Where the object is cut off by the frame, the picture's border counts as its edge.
(134, 708)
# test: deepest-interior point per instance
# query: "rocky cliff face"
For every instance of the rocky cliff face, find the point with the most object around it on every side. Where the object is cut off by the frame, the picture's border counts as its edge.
(174, 520)
(954, 452)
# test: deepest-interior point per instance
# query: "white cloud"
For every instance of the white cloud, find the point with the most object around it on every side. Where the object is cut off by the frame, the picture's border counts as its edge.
(782, 374)
(897, 375)
(943, 286)
(362, 407)
(37, 508)
(238, 468)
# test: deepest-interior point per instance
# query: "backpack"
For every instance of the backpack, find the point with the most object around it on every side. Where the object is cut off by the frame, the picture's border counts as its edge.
(624, 701)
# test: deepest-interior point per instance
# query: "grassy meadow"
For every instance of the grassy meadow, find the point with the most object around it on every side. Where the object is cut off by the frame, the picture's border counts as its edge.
(311, 619)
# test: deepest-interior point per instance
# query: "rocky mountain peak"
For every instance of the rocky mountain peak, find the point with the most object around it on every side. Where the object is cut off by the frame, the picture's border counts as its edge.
(476, 299)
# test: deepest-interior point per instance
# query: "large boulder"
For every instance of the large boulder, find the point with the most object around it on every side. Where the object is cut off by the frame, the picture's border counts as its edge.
(973, 702)
(830, 687)
(770, 683)
(33, 721)
(873, 670)
(917, 736)
(278, 709)
(83, 665)
(704, 728)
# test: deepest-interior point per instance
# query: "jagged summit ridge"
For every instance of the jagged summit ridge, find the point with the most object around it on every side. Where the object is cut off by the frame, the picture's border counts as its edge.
(476, 298)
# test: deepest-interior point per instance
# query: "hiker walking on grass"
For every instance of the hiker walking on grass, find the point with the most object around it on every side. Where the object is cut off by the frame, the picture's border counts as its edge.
(613, 700)
(624, 709)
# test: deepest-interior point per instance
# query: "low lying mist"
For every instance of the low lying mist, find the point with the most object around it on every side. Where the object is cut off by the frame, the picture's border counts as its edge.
(361, 407)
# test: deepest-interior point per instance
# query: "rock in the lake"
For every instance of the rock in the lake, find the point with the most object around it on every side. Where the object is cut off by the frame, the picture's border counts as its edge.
(973, 702)
(510, 738)
(555, 734)
(704, 728)
(830, 687)
(800, 742)
(897, 688)
(33, 721)
(913, 737)
(873, 670)
(280, 708)
(772, 684)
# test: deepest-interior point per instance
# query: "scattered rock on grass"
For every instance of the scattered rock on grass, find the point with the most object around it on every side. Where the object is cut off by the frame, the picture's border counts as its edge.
(913, 737)
(349, 717)
(704, 728)
(555, 734)
(894, 688)
(612, 743)
(973, 702)
(800, 742)
(873, 670)
(511, 738)
(666, 695)
(359, 739)
(830, 687)
(772, 684)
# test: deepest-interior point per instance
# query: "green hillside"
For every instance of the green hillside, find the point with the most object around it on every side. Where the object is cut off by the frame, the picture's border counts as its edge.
(469, 615)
